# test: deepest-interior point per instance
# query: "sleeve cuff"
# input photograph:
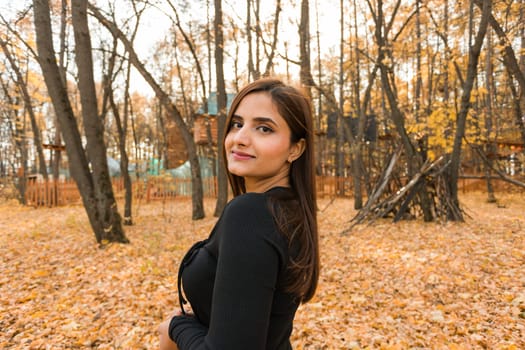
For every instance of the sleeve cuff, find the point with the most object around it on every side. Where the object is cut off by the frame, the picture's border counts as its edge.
(172, 328)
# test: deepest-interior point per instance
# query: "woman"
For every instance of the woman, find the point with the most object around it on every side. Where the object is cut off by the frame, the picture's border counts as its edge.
(261, 260)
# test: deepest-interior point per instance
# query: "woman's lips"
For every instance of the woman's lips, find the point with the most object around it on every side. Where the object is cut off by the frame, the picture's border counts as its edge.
(241, 155)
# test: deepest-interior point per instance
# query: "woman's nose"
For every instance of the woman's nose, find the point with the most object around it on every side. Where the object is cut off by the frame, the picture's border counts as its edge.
(241, 136)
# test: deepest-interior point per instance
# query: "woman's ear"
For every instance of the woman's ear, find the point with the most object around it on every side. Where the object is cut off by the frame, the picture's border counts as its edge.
(296, 150)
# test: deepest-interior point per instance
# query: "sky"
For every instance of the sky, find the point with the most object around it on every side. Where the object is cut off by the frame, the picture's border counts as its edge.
(328, 23)
(154, 25)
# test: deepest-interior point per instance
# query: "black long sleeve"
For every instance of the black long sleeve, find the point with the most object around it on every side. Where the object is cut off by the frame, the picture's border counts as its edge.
(244, 263)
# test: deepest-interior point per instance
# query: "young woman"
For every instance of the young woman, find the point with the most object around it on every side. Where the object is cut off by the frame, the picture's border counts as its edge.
(261, 260)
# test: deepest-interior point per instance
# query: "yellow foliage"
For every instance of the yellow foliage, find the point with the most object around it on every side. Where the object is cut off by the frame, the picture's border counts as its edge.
(481, 91)
(440, 126)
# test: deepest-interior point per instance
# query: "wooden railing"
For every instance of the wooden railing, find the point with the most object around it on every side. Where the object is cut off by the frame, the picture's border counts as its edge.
(51, 193)
(57, 193)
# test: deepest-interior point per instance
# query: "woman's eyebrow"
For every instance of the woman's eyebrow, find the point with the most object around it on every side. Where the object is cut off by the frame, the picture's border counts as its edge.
(257, 119)
(265, 120)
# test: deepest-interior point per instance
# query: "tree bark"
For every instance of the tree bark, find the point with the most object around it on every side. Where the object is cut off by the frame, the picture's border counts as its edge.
(304, 48)
(339, 130)
(222, 179)
(251, 69)
(93, 127)
(359, 174)
(522, 66)
(62, 55)
(474, 52)
(257, 39)
(79, 165)
(490, 146)
(419, 80)
(121, 124)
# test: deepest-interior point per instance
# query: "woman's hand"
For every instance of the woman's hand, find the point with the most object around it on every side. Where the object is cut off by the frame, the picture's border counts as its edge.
(165, 342)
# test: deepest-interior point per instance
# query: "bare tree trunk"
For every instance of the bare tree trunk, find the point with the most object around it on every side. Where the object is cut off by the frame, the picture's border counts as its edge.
(222, 179)
(22, 86)
(251, 68)
(396, 114)
(101, 222)
(257, 67)
(446, 93)
(121, 124)
(17, 130)
(124, 159)
(490, 146)
(522, 65)
(185, 102)
(253, 62)
(20, 129)
(512, 64)
(194, 54)
(414, 159)
(57, 153)
(520, 115)
(173, 113)
(359, 174)
(339, 131)
(304, 48)
(269, 63)
(93, 127)
(419, 80)
(318, 137)
(474, 52)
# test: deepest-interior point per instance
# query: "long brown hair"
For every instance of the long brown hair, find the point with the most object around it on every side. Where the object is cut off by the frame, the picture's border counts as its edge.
(299, 226)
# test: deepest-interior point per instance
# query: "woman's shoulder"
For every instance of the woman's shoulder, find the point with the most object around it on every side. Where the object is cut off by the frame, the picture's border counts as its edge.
(248, 222)
(251, 200)
(248, 205)
(252, 210)
(260, 202)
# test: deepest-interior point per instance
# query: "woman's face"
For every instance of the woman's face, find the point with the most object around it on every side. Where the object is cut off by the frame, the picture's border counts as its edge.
(258, 146)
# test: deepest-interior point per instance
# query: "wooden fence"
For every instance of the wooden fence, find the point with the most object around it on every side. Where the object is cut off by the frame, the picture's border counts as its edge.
(57, 193)
(51, 193)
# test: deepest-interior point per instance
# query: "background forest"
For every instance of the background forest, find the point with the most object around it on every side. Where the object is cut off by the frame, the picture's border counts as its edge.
(118, 105)
(409, 97)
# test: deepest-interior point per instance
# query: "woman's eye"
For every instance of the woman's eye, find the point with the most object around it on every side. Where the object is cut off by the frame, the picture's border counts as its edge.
(265, 129)
(236, 125)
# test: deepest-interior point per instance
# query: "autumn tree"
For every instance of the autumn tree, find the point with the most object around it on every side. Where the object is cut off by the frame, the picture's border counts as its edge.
(194, 53)
(514, 65)
(14, 135)
(88, 167)
(473, 58)
(22, 85)
(172, 111)
(23, 99)
(121, 116)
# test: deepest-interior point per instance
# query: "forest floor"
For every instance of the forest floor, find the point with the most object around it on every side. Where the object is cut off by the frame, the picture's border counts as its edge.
(383, 286)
